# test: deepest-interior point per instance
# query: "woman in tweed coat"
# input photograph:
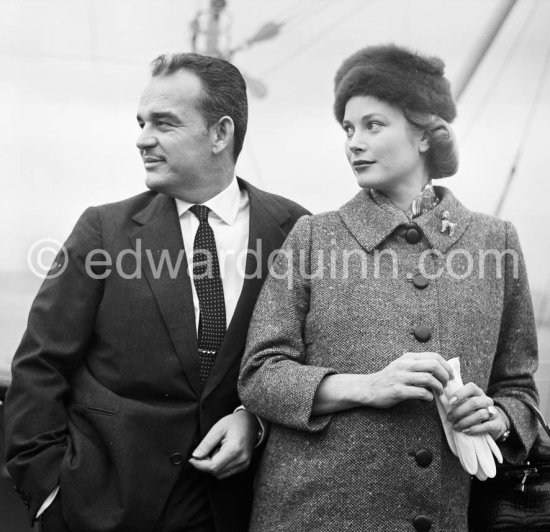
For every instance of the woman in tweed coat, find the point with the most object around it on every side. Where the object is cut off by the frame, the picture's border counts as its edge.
(351, 334)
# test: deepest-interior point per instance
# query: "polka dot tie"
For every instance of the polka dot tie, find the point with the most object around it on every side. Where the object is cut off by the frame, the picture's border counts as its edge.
(208, 283)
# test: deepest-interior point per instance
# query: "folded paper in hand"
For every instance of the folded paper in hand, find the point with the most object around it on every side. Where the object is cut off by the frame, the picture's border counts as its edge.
(475, 452)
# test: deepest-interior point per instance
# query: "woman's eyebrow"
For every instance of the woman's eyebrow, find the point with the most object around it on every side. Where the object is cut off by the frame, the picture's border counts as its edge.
(368, 116)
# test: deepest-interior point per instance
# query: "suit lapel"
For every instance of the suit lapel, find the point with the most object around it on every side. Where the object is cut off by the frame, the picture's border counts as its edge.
(265, 236)
(158, 236)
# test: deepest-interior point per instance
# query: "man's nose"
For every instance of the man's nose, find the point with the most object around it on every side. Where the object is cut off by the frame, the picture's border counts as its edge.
(145, 139)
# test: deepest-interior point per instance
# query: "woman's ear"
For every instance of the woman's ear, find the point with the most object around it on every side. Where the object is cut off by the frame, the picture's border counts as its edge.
(222, 134)
(424, 142)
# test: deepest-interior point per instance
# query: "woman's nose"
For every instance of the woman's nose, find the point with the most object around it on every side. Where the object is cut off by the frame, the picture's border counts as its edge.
(356, 143)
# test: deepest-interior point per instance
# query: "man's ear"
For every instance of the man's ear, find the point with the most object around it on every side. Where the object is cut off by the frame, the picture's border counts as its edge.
(222, 132)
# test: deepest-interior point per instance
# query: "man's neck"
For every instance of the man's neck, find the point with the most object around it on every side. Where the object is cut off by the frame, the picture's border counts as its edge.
(207, 189)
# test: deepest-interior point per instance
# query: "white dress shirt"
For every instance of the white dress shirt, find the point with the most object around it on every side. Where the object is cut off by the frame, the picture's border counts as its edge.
(229, 219)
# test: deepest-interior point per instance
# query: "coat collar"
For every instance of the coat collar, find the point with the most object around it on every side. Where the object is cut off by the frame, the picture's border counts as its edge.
(371, 223)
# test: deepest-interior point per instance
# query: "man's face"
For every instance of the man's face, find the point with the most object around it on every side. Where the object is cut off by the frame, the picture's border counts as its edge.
(175, 143)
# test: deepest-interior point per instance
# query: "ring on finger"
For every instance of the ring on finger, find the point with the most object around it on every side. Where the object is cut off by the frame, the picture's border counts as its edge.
(492, 411)
(486, 414)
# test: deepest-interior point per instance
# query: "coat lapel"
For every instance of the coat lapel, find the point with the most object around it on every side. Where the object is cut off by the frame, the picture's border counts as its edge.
(265, 236)
(159, 235)
(369, 222)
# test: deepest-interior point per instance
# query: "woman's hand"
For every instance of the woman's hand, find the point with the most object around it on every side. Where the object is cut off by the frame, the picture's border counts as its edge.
(411, 376)
(473, 412)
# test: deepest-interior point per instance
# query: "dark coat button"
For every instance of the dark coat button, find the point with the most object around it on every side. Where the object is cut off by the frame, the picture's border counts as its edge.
(423, 457)
(176, 459)
(422, 333)
(413, 234)
(422, 523)
(420, 281)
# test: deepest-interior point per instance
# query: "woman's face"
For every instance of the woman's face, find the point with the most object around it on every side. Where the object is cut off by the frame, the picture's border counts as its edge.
(384, 150)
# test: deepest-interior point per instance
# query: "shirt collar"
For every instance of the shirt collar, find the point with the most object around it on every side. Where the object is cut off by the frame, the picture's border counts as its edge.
(225, 205)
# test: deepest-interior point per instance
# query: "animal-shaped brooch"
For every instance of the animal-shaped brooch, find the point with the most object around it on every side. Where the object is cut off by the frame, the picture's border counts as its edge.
(446, 224)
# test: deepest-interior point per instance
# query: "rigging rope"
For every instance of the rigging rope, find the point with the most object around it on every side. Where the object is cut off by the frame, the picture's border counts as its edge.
(525, 133)
(323, 33)
(483, 101)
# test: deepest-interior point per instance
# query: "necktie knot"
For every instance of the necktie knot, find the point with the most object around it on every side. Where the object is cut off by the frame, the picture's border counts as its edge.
(201, 212)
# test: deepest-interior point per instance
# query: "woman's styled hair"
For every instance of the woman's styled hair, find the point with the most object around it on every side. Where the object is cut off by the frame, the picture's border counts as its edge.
(414, 83)
(442, 156)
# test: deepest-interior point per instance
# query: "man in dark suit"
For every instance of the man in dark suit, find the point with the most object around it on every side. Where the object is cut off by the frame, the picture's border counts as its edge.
(122, 413)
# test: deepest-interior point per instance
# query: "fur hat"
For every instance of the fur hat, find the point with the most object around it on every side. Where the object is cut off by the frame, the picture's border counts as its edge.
(398, 76)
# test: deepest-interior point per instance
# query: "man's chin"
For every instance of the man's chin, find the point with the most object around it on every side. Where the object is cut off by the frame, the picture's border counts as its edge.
(155, 182)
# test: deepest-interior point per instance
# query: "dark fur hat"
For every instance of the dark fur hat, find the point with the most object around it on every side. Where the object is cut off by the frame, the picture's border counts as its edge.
(396, 75)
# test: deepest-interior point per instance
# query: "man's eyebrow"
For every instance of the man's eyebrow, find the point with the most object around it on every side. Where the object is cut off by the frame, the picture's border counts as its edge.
(158, 115)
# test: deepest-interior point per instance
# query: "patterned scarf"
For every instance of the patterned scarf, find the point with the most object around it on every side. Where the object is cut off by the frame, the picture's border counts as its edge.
(425, 201)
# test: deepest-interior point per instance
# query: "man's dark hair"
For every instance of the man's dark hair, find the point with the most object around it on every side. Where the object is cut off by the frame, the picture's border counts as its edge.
(224, 89)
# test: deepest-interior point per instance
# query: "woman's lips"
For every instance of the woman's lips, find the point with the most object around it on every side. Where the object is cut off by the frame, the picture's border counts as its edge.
(361, 165)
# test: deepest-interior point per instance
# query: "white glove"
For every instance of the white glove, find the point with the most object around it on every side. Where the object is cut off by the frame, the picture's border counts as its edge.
(475, 452)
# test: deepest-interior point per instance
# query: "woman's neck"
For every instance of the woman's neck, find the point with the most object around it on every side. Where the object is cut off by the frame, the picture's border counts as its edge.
(403, 197)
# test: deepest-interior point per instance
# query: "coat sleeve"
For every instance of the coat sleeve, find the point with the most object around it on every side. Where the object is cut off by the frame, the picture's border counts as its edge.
(511, 382)
(59, 328)
(275, 381)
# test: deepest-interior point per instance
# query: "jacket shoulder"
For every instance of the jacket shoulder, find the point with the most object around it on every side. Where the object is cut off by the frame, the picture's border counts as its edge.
(492, 229)
(326, 218)
(284, 203)
(120, 213)
(130, 205)
(316, 228)
(275, 201)
(488, 222)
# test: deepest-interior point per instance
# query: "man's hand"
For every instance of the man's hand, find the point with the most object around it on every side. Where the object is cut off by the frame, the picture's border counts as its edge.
(227, 448)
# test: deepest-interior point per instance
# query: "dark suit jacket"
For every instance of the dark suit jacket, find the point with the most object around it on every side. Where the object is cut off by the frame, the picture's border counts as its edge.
(105, 397)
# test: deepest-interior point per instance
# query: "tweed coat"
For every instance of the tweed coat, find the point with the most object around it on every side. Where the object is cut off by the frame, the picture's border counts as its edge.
(106, 398)
(343, 298)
